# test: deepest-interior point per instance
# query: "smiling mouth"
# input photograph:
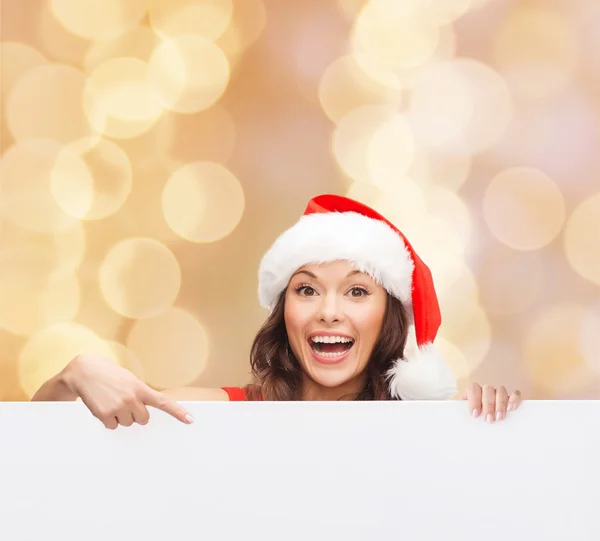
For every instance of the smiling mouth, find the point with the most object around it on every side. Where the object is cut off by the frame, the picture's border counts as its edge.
(330, 347)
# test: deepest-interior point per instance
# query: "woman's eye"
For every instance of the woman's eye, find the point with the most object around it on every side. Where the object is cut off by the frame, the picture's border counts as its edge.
(307, 291)
(357, 292)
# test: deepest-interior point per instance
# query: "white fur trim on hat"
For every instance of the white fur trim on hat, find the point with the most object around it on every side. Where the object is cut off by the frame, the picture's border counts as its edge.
(422, 374)
(371, 245)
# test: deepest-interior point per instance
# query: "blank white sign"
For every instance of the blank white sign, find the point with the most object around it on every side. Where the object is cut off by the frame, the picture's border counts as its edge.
(302, 471)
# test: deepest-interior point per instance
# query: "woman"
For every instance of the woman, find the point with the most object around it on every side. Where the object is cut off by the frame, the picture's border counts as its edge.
(353, 315)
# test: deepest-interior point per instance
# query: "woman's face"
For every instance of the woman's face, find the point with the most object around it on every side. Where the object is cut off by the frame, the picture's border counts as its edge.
(333, 316)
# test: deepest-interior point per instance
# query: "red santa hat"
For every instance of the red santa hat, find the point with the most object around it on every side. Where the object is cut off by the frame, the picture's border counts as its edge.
(337, 228)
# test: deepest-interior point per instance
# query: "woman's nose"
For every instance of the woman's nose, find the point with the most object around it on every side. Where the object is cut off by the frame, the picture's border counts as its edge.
(329, 309)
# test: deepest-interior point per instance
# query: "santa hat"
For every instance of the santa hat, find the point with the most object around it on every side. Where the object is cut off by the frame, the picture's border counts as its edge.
(337, 228)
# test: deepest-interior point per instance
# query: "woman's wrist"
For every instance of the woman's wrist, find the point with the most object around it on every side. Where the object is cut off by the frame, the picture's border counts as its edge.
(60, 388)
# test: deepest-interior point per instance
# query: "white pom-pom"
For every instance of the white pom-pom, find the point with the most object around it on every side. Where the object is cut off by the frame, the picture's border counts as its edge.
(423, 375)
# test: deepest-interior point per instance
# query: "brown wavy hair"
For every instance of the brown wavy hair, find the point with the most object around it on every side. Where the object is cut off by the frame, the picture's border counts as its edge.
(277, 374)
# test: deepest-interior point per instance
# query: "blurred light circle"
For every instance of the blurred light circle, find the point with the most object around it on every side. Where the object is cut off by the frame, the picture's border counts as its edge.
(403, 204)
(138, 43)
(57, 41)
(47, 352)
(392, 37)
(353, 135)
(29, 303)
(203, 202)
(459, 105)
(98, 19)
(56, 112)
(172, 348)
(469, 330)
(206, 18)
(127, 359)
(582, 239)
(390, 152)
(39, 254)
(140, 278)
(344, 86)
(510, 281)
(209, 135)
(551, 347)
(91, 179)
(188, 73)
(445, 169)
(524, 208)
(364, 192)
(17, 59)
(590, 339)
(30, 204)
(249, 19)
(351, 8)
(118, 99)
(454, 357)
(536, 51)
(449, 207)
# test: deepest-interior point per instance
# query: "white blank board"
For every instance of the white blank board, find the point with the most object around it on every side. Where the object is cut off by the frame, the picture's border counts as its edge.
(302, 471)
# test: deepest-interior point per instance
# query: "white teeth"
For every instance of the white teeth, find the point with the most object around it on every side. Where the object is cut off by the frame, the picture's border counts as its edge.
(331, 339)
(339, 354)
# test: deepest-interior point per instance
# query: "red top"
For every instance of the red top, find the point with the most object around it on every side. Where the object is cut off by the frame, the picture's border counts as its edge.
(236, 394)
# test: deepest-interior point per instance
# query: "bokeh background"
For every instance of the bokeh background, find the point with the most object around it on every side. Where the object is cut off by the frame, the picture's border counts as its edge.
(153, 149)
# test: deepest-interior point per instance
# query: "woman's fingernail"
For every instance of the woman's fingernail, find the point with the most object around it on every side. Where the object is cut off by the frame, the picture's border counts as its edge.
(475, 413)
(189, 419)
(490, 418)
(509, 408)
(499, 416)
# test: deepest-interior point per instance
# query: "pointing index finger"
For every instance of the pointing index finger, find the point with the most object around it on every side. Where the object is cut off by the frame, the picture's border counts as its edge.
(168, 405)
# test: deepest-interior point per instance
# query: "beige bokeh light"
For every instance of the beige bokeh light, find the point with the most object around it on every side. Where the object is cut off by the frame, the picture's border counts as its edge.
(91, 179)
(448, 169)
(42, 255)
(118, 99)
(140, 277)
(344, 86)
(56, 112)
(98, 19)
(55, 40)
(30, 204)
(509, 284)
(205, 18)
(590, 339)
(17, 59)
(390, 152)
(172, 348)
(127, 359)
(209, 135)
(452, 209)
(203, 202)
(454, 357)
(138, 43)
(551, 348)
(353, 135)
(47, 352)
(188, 73)
(460, 105)
(537, 52)
(469, 329)
(524, 208)
(28, 303)
(247, 24)
(582, 239)
(391, 37)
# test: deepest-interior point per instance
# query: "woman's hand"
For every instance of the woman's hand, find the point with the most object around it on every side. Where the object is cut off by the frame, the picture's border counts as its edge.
(114, 395)
(490, 403)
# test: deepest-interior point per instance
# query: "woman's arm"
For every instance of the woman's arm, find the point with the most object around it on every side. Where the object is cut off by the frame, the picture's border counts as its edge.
(115, 396)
